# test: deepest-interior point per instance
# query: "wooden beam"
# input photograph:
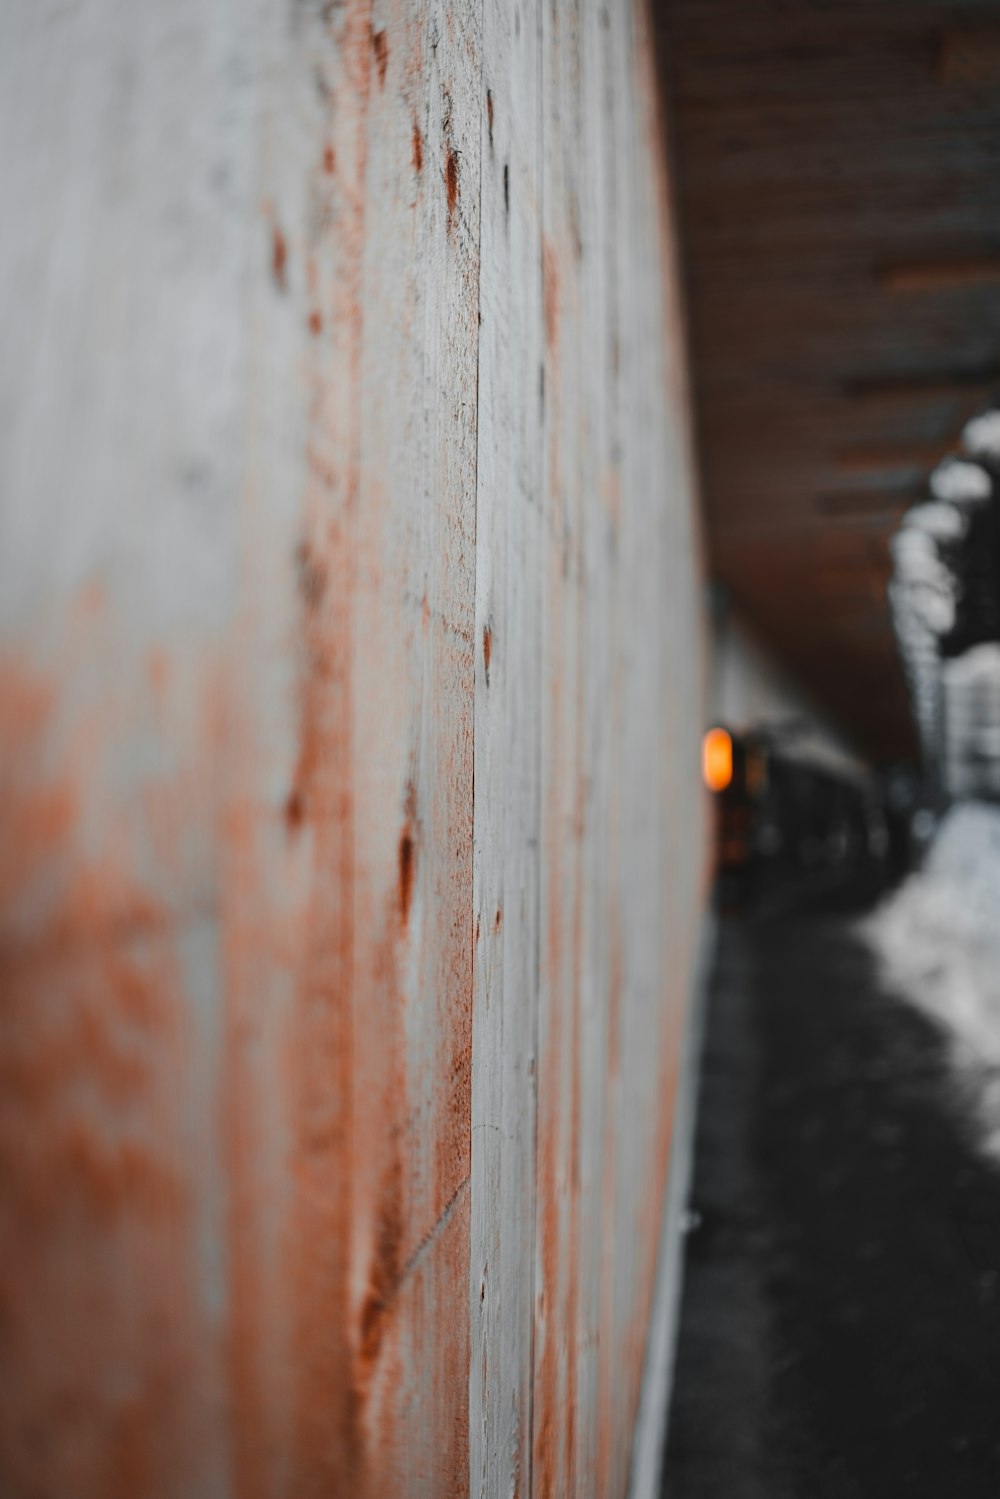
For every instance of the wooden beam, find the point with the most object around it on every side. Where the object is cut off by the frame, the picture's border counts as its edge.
(867, 504)
(872, 457)
(967, 386)
(970, 56)
(940, 273)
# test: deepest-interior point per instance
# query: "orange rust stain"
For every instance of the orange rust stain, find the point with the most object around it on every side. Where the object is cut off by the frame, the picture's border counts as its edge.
(572, 1306)
(313, 575)
(549, 1335)
(329, 161)
(384, 1277)
(323, 1448)
(408, 855)
(574, 1310)
(333, 1314)
(279, 259)
(380, 46)
(315, 322)
(93, 1055)
(498, 920)
(550, 293)
(37, 818)
(487, 651)
(546, 1374)
(321, 1324)
(451, 181)
(559, 1312)
(489, 113)
(320, 1085)
(246, 954)
(320, 468)
(295, 809)
(547, 1404)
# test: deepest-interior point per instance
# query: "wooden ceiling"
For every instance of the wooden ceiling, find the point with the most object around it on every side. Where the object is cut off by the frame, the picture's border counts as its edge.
(837, 168)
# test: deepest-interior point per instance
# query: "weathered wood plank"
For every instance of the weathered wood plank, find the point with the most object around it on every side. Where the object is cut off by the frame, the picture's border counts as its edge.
(557, 1273)
(357, 1325)
(507, 755)
(618, 776)
(344, 476)
(123, 269)
(414, 739)
(290, 977)
(607, 664)
(660, 748)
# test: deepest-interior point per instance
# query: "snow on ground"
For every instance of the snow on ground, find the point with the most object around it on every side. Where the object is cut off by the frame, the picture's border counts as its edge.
(937, 939)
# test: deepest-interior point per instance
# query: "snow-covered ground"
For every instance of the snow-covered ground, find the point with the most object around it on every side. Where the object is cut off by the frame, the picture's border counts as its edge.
(937, 939)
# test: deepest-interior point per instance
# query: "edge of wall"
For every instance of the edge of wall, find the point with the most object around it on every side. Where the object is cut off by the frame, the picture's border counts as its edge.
(649, 1436)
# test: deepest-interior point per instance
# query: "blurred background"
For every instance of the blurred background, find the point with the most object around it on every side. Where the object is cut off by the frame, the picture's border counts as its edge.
(839, 214)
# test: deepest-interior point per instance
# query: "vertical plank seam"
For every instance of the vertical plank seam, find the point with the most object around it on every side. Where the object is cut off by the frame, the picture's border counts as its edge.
(475, 556)
(474, 964)
(539, 750)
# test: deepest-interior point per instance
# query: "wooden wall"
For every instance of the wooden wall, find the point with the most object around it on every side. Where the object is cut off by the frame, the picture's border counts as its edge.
(349, 714)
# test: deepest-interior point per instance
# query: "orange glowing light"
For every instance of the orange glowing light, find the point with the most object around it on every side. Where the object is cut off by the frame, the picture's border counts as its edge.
(717, 759)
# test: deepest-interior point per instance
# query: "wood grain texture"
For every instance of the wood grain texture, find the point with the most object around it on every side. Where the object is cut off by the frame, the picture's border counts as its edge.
(620, 839)
(349, 650)
(507, 754)
(367, 1298)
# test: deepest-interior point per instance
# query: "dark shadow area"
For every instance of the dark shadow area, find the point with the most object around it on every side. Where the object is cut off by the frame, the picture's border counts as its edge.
(841, 1323)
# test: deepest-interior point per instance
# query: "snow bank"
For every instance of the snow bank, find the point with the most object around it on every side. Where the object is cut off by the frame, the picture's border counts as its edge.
(938, 943)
